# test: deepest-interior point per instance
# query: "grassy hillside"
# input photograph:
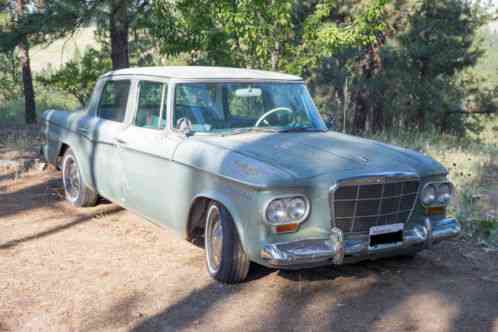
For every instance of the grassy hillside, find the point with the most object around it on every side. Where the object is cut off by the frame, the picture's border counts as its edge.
(59, 52)
(45, 57)
(488, 64)
(473, 168)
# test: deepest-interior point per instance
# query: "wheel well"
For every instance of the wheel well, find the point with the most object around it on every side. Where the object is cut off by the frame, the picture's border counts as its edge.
(196, 224)
(62, 151)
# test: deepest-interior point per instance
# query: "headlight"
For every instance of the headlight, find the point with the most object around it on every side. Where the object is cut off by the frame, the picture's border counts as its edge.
(444, 193)
(428, 195)
(437, 193)
(287, 210)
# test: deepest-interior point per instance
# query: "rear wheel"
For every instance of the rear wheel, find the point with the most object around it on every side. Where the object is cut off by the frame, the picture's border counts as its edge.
(226, 260)
(410, 256)
(76, 191)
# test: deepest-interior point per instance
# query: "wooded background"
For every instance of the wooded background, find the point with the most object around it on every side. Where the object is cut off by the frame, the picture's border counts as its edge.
(373, 65)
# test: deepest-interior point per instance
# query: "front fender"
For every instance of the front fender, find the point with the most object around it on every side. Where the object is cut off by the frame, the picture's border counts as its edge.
(233, 207)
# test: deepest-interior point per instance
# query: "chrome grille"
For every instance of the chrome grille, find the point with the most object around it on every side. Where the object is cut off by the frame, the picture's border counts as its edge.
(359, 204)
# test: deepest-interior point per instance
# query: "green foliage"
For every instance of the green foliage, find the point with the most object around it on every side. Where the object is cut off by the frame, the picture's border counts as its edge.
(324, 38)
(56, 19)
(10, 76)
(487, 65)
(375, 64)
(246, 33)
(437, 44)
(488, 230)
(143, 49)
(78, 77)
(472, 162)
(417, 75)
(259, 33)
(12, 111)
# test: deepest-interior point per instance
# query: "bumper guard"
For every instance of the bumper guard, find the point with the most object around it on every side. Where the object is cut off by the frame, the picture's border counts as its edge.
(336, 249)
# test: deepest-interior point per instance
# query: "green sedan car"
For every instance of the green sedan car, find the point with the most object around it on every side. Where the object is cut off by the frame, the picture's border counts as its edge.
(241, 161)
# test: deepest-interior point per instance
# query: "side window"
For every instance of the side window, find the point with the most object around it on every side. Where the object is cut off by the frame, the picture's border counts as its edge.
(113, 100)
(151, 109)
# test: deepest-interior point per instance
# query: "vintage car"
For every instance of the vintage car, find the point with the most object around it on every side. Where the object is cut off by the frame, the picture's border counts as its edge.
(241, 161)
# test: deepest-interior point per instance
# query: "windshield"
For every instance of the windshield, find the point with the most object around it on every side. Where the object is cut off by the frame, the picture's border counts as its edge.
(225, 107)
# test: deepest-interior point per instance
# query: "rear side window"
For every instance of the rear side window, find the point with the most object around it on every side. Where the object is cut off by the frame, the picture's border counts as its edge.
(112, 104)
(151, 110)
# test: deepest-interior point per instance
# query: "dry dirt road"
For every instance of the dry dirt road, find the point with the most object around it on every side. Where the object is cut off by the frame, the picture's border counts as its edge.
(105, 269)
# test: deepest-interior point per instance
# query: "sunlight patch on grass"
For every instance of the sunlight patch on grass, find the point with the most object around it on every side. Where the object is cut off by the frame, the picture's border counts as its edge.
(472, 164)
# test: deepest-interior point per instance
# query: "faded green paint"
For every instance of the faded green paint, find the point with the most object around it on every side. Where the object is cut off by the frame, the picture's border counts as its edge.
(159, 173)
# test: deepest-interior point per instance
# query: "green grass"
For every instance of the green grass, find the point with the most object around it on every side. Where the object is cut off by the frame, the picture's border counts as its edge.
(472, 163)
(48, 57)
(487, 66)
(12, 112)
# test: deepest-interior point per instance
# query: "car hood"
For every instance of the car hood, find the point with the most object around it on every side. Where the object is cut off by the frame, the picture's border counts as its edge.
(308, 155)
(289, 159)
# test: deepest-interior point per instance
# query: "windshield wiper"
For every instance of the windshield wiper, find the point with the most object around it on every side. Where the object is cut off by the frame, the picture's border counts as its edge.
(300, 129)
(254, 129)
(272, 130)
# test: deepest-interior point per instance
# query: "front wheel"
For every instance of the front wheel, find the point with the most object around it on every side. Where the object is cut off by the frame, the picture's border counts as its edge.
(226, 260)
(76, 191)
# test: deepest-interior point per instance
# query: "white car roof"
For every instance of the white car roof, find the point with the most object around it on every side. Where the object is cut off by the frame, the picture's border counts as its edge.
(200, 72)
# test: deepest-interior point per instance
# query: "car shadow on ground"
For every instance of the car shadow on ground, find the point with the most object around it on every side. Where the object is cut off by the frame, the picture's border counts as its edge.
(41, 194)
(6, 177)
(81, 218)
(395, 294)
(187, 312)
(44, 194)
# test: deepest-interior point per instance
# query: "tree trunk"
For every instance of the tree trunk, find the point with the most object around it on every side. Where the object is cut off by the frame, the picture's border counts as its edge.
(27, 79)
(359, 110)
(119, 34)
(367, 115)
(274, 56)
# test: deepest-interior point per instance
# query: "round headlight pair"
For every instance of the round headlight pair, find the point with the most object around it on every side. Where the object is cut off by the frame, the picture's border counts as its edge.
(436, 194)
(286, 210)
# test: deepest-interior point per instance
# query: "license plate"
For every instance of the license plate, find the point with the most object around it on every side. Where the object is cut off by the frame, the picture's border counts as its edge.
(384, 229)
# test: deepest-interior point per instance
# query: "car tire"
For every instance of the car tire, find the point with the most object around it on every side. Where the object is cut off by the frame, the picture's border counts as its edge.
(410, 256)
(225, 258)
(76, 191)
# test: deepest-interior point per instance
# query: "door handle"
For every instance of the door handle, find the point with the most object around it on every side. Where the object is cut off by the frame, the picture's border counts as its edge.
(121, 141)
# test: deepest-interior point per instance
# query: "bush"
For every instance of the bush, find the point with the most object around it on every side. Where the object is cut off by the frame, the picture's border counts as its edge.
(78, 78)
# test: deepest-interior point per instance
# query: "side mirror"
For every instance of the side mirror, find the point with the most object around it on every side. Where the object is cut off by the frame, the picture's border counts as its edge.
(184, 125)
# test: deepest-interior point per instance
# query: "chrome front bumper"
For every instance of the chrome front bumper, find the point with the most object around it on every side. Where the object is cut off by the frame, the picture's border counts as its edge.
(337, 250)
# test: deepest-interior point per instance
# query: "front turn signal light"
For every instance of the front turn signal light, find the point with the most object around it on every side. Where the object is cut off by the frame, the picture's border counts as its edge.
(286, 228)
(435, 211)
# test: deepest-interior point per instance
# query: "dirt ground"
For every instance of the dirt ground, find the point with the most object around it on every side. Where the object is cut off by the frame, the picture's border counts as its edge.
(105, 269)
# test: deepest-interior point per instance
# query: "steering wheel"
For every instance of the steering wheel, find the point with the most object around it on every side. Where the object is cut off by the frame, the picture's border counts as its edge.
(270, 112)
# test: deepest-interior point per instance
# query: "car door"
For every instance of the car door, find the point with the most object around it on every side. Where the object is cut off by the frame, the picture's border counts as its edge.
(146, 151)
(105, 127)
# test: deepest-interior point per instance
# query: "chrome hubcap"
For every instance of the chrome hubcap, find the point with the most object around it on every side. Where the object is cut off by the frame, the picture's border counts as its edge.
(72, 184)
(214, 239)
